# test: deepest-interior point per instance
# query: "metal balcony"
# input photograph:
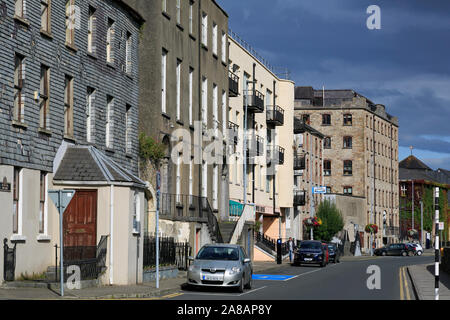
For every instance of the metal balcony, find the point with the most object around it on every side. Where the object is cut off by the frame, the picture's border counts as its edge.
(275, 154)
(299, 162)
(275, 115)
(254, 101)
(233, 132)
(299, 197)
(255, 146)
(233, 84)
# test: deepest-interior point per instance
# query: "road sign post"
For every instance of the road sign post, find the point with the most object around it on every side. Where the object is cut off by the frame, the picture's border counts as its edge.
(436, 244)
(61, 199)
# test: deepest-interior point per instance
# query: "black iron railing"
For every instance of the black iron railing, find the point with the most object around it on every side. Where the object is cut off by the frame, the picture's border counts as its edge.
(275, 154)
(275, 115)
(254, 101)
(265, 241)
(233, 81)
(189, 208)
(299, 162)
(170, 252)
(299, 197)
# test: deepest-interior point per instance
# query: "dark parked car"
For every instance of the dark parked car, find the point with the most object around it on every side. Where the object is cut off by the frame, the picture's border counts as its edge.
(333, 252)
(395, 249)
(311, 252)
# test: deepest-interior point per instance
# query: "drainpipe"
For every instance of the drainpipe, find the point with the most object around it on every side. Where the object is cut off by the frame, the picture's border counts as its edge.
(111, 231)
(253, 127)
(274, 164)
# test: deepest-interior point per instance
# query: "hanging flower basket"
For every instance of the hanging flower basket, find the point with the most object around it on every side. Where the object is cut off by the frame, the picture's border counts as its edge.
(312, 222)
(371, 228)
(412, 232)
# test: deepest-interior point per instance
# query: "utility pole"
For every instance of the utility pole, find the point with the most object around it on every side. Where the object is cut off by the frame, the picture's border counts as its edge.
(311, 199)
(412, 209)
(436, 244)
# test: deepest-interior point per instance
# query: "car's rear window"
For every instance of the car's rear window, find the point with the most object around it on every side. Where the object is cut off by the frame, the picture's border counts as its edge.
(310, 245)
(218, 253)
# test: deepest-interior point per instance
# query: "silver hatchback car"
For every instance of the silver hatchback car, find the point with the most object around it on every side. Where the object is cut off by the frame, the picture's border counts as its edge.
(221, 265)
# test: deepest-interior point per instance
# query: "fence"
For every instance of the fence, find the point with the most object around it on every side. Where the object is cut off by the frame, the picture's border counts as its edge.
(170, 252)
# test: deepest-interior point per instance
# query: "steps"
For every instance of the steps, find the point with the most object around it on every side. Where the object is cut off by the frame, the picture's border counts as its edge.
(226, 229)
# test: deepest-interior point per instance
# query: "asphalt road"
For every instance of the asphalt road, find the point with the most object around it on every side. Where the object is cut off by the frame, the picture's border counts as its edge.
(343, 281)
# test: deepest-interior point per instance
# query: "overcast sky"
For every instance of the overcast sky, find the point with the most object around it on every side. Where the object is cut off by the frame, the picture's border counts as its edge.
(405, 65)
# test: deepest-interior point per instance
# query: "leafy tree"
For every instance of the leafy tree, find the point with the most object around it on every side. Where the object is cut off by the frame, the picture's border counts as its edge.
(332, 221)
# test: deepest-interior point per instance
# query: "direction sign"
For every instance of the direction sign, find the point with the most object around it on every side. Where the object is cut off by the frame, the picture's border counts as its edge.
(441, 226)
(319, 190)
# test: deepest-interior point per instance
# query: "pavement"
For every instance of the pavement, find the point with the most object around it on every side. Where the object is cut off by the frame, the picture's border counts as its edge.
(422, 278)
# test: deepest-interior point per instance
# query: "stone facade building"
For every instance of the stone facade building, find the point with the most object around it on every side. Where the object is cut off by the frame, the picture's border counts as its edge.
(184, 93)
(360, 152)
(68, 83)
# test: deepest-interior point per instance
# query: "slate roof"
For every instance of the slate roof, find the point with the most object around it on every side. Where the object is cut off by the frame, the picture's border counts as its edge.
(413, 163)
(412, 168)
(88, 164)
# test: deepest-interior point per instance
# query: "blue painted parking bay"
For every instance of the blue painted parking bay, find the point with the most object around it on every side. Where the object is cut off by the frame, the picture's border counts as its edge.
(272, 277)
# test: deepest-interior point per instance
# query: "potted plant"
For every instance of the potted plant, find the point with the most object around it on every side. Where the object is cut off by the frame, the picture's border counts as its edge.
(371, 228)
(312, 222)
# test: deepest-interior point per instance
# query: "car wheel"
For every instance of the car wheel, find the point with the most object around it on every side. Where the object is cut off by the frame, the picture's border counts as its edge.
(241, 285)
(404, 253)
(419, 253)
(250, 283)
(383, 253)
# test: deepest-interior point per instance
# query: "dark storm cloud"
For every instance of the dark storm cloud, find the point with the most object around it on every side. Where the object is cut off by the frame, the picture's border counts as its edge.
(404, 65)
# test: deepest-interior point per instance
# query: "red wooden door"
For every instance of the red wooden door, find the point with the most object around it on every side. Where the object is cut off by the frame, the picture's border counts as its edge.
(80, 226)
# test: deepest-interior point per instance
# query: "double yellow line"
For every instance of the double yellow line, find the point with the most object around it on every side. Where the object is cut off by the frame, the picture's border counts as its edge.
(404, 288)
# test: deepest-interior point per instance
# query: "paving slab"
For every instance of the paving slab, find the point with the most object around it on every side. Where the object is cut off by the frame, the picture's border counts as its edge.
(422, 277)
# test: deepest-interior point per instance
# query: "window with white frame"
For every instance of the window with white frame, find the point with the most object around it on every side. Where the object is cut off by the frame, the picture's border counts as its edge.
(89, 114)
(136, 213)
(19, 95)
(91, 20)
(205, 100)
(43, 186)
(178, 179)
(214, 38)
(128, 54)
(109, 137)
(205, 180)
(109, 42)
(215, 186)
(164, 5)
(178, 88)
(163, 80)
(191, 17)
(215, 107)
(17, 201)
(44, 94)
(205, 29)
(191, 95)
(70, 22)
(45, 15)
(128, 130)
(19, 8)
(224, 112)
(179, 11)
(224, 47)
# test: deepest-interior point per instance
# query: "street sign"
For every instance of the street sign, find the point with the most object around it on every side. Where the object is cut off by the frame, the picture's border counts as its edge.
(319, 190)
(61, 199)
(441, 226)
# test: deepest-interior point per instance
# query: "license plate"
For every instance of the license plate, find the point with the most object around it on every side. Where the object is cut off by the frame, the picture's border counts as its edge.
(308, 259)
(213, 278)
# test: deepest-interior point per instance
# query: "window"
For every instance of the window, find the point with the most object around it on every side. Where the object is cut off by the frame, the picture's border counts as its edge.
(19, 9)
(403, 190)
(326, 119)
(215, 186)
(328, 189)
(215, 107)
(327, 168)
(109, 136)
(191, 17)
(178, 179)
(109, 42)
(19, 96)
(91, 20)
(224, 111)
(348, 168)
(306, 118)
(128, 54)
(89, 114)
(164, 5)
(347, 119)
(347, 143)
(178, 88)
(204, 180)
(128, 130)
(68, 106)
(163, 80)
(224, 47)
(179, 11)
(214, 38)
(70, 22)
(205, 29)
(205, 101)
(17, 192)
(327, 143)
(42, 203)
(348, 190)
(191, 180)
(191, 97)
(136, 213)
(44, 107)
(45, 15)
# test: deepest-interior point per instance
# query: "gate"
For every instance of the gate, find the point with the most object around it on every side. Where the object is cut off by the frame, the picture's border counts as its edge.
(9, 263)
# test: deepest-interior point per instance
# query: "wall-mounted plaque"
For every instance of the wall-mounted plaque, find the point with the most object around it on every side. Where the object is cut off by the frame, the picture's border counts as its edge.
(5, 186)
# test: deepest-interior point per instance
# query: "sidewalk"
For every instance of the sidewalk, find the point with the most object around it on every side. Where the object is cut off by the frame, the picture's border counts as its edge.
(422, 277)
(147, 290)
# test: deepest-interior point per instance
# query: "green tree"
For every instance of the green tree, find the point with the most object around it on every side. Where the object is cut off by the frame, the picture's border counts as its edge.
(332, 221)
